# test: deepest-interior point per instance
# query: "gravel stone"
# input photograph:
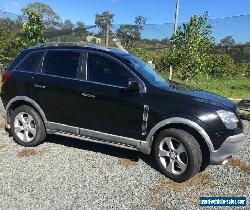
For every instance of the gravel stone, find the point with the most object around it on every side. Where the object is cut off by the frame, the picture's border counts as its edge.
(64, 173)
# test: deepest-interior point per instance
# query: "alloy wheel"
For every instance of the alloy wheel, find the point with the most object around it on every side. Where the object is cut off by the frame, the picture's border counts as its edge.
(25, 127)
(173, 155)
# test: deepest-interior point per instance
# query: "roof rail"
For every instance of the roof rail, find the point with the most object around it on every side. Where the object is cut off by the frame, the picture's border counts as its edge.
(35, 46)
(51, 44)
(78, 44)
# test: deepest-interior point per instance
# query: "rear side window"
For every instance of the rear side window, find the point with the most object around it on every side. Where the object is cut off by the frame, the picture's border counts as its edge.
(61, 63)
(17, 60)
(31, 63)
(105, 70)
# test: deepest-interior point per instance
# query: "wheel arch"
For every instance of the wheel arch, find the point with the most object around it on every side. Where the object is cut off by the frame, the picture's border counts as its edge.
(179, 123)
(23, 100)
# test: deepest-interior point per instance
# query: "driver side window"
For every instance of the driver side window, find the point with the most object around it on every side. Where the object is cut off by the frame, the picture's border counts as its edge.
(105, 70)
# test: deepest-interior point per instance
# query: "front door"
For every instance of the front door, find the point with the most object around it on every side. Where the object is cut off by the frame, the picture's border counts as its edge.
(109, 106)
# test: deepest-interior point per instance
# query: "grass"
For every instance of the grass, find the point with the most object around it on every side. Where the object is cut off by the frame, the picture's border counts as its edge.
(237, 88)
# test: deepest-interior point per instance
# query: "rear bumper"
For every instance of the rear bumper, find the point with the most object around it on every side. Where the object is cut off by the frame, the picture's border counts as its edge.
(231, 146)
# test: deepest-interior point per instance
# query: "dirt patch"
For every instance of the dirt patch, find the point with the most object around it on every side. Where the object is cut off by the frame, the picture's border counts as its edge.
(201, 180)
(3, 146)
(241, 185)
(241, 164)
(125, 162)
(28, 152)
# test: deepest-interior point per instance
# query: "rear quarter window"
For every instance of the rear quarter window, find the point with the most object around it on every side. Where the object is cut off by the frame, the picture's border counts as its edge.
(17, 60)
(31, 63)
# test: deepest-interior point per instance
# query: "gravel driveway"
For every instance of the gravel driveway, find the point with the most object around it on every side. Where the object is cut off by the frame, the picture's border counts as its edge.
(69, 174)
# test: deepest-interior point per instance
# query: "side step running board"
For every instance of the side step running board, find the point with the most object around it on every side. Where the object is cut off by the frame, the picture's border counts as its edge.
(99, 141)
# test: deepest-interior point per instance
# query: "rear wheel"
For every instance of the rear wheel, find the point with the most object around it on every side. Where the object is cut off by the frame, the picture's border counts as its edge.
(177, 154)
(27, 127)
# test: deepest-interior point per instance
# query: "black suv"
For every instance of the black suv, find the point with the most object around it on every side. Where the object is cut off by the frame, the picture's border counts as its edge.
(108, 96)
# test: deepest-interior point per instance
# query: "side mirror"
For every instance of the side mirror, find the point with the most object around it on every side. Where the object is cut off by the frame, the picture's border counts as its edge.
(133, 86)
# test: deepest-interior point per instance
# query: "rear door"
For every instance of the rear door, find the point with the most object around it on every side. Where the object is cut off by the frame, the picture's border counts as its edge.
(58, 89)
(23, 74)
(108, 106)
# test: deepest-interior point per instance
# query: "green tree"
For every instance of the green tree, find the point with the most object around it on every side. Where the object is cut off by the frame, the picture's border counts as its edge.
(192, 44)
(68, 25)
(9, 46)
(33, 30)
(227, 41)
(104, 22)
(140, 21)
(81, 30)
(49, 17)
(12, 25)
(128, 35)
(81, 26)
(9, 41)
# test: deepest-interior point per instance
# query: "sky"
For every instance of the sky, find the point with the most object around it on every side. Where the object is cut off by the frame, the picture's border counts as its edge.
(158, 11)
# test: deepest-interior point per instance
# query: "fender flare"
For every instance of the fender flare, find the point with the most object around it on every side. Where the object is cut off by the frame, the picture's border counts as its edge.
(146, 146)
(28, 100)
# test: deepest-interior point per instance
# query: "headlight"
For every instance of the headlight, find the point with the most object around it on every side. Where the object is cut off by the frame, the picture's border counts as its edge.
(228, 118)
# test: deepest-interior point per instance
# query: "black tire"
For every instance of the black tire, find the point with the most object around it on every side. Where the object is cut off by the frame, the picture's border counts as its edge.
(192, 152)
(39, 127)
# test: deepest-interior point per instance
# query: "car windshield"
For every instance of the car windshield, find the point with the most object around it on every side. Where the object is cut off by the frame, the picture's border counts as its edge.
(146, 71)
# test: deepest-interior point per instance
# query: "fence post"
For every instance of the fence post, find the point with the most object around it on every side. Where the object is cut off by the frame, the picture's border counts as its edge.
(170, 73)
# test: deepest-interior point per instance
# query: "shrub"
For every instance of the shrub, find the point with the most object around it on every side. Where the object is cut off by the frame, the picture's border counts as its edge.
(141, 53)
(243, 69)
(223, 65)
(192, 44)
(220, 65)
(9, 46)
(33, 30)
(160, 59)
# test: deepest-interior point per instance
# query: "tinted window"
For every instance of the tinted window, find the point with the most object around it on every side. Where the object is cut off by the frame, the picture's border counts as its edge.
(107, 71)
(149, 74)
(62, 63)
(32, 63)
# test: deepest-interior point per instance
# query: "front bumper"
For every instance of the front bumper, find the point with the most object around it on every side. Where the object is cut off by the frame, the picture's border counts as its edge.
(231, 146)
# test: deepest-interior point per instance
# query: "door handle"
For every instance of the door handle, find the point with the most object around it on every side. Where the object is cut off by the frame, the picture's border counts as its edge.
(39, 86)
(88, 95)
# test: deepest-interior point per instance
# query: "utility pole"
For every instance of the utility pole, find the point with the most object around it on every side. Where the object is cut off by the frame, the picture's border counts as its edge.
(176, 16)
(175, 30)
(107, 35)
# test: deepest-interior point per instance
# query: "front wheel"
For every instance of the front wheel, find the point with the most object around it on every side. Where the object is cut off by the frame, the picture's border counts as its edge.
(177, 154)
(27, 126)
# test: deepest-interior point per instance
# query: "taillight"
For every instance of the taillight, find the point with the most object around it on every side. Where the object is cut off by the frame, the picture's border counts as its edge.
(6, 75)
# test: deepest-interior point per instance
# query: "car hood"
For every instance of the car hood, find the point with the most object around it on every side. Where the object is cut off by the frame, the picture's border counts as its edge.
(201, 95)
